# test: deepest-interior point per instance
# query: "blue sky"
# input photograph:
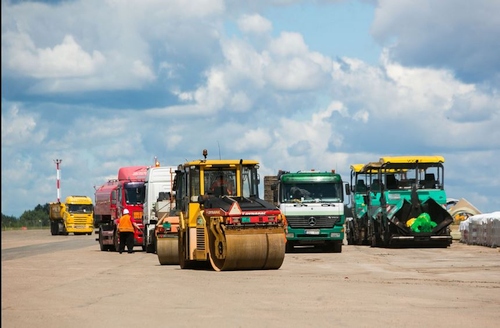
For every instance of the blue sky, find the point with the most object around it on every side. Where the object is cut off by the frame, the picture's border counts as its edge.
(294, 84)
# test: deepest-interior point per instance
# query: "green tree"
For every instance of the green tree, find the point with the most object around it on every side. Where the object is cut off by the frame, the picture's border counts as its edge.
(37, 217)
(9, 222)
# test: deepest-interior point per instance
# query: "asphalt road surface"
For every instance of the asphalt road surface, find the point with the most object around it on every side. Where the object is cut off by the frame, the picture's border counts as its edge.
(66, 281)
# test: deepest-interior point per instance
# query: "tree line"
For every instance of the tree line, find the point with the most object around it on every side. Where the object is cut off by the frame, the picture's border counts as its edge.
(38, 217)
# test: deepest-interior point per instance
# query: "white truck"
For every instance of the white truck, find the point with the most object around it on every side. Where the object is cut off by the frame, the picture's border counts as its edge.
(159, 200)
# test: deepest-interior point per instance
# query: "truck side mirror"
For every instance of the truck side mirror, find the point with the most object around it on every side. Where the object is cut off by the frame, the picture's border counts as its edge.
(347, 189)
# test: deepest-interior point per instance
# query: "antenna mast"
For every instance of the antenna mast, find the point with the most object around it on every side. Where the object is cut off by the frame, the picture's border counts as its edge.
(58, 161)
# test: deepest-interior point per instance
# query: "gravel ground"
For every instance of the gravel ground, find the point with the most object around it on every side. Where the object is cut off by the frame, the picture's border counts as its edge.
(65, 281)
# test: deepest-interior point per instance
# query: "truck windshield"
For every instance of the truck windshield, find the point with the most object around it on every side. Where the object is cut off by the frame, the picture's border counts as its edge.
(135, 193)
(77, 208)
(220, 182)
(312, 192)
(223, 182)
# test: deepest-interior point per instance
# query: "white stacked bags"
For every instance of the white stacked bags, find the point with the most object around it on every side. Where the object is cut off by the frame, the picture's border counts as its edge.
(481, 229)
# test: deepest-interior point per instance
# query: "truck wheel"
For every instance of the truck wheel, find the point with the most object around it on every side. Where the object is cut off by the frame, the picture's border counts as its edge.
(116, 242)
(375, 235)
(101, 243)
(53, 228)
(289, 247)
(350, 233)
(337, 247)
(60, 229)
(333, 247)
(149, 248)
(155, 243)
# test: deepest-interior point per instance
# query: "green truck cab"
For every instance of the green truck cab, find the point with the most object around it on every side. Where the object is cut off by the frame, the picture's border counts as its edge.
(313, 204)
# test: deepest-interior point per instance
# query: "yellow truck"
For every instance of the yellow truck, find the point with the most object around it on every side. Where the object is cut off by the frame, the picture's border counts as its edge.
(75, 216)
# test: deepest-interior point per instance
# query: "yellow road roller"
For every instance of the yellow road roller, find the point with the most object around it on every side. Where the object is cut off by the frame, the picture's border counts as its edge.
(222, 221)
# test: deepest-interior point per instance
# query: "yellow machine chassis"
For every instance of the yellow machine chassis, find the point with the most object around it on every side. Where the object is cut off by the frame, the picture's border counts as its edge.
(247, 248)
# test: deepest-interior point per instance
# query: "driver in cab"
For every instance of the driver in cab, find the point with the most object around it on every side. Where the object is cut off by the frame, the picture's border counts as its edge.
(221, 187)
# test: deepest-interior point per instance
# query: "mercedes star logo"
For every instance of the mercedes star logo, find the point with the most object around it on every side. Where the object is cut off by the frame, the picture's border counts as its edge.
(312, 221)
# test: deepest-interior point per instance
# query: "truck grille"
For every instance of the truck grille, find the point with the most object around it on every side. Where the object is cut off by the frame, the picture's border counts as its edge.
(81, 221)
(312, 221)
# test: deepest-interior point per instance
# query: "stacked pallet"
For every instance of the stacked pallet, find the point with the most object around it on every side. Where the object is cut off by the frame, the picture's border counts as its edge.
(269, 181)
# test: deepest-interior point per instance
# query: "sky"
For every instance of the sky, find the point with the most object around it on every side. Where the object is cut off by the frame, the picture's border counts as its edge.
(296, 85)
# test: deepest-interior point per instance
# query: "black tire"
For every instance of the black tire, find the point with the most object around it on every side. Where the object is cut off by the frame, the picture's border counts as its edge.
(116, 242)
(53, 228)
(350, 234)
(337, 247)
(62, 229)
(375, 239)
(101, 244)
(155, 242)
(289, 247)
(151, 248)
(333, 247)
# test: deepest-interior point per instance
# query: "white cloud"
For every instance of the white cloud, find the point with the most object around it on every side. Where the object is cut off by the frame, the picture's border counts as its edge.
(244, 62)
(98, 53)
(288, 44)
(252, 139)
(141, 71)
(240, 102)
(254, 24)
(20, 130)
(460, 36)
(296, 74)
(64, 60)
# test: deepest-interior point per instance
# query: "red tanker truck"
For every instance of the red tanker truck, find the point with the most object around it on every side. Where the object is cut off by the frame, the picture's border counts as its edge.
(126, 192)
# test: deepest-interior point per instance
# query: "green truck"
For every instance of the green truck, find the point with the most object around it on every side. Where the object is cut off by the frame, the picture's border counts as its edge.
(313, 204)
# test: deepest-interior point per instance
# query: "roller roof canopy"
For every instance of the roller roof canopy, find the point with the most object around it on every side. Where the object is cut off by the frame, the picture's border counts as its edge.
(357, 167)
(371, 167)
(411, 159)
(395, 164)
(374, 169)
(221, 162)
(410, 162)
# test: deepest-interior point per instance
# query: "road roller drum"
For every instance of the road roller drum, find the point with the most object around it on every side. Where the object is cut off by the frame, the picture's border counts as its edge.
(248, 250)
(167, 250)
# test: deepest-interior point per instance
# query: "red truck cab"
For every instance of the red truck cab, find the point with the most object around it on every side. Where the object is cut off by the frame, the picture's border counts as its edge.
(126, 192)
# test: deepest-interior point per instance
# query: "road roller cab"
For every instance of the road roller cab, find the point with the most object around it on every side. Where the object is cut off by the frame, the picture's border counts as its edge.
(222, 220)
